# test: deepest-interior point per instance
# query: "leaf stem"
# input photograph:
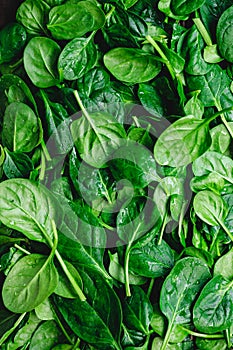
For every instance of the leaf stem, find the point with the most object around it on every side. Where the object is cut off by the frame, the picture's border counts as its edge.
(167, 336)
(21, 249)
(70, 277)
(151, 285)
(45, 151)
(10, 331)
(163, 56)
(201, 28)
(202, 335)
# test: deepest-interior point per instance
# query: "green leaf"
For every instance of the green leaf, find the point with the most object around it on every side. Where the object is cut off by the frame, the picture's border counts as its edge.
(30, 281)
(213, 310)
(22, 130)
(132, 65)
(135, 163)
(28, 207)
(137, 311)
(46, 336)
(73, 20)
(40, 61)
(210, 207)
(216, 163)
(116, 270)
(12, 40)
(97, 320)
(25, 333)
(77, 58)
(17, 164)
(64, 288)
(32, 14)
(224, 266)
(181, 7)
(150, 259)
(179, 291)
(182, 142)
(97, 137)
(224, 34)
(221, 138)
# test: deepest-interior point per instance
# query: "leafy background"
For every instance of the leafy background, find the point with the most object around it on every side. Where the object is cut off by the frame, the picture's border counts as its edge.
(116, 174)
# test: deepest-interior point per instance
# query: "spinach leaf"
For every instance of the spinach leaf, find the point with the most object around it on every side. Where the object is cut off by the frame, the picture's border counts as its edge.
(40, 339)
(132, 65)
(137, 311)
(179, 291)
(22, 130)
(96, 136)
(97, 320)
(216, 163)
(150, 259)
(31, 280)
(224, 32)
(73, 20)
(180, 7)
(33, 16)
(134, 163)
(24, 334)
(17, 164)
(183, 141)
(210, 207)
(223, 266)
(32, 217)
(77, 58)
(40, 61)
(213, 309)
(12, 41)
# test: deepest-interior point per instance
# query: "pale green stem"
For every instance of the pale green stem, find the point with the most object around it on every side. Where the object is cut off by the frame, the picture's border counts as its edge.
(202, 335)
(45, 151)
(163, 56)
(201, 28)
(22, 249)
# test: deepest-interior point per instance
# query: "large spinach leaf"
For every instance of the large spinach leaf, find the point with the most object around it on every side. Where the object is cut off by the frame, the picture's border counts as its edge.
(132, 65)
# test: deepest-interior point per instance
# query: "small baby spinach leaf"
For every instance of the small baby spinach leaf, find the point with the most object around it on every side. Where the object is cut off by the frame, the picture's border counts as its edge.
(224, 266)
(150, 259)
(40, 61)
(77, 58)
(12, 41)
(180, 7)
(213, 310)
(97, 320)
(221, 138)
(132, 65)
(30, 281)
(182, 142)
(17, 164)
(116, 270)
(45, 311)
(22, 129)
(47, 335)
(216, 163)
(73, 20)
(63, 288)
(96, 136)
(32, 217)
(135, 163)
(24, 334)
(209, 344)
(224, 34)
(210, 207)
(179, 291)
(32, 14)
(137, 311)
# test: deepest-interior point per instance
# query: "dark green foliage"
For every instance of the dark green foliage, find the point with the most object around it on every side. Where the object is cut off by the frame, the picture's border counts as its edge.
(116, 174)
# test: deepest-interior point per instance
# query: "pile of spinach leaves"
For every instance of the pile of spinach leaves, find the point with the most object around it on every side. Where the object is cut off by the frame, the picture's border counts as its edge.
(116, 192)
